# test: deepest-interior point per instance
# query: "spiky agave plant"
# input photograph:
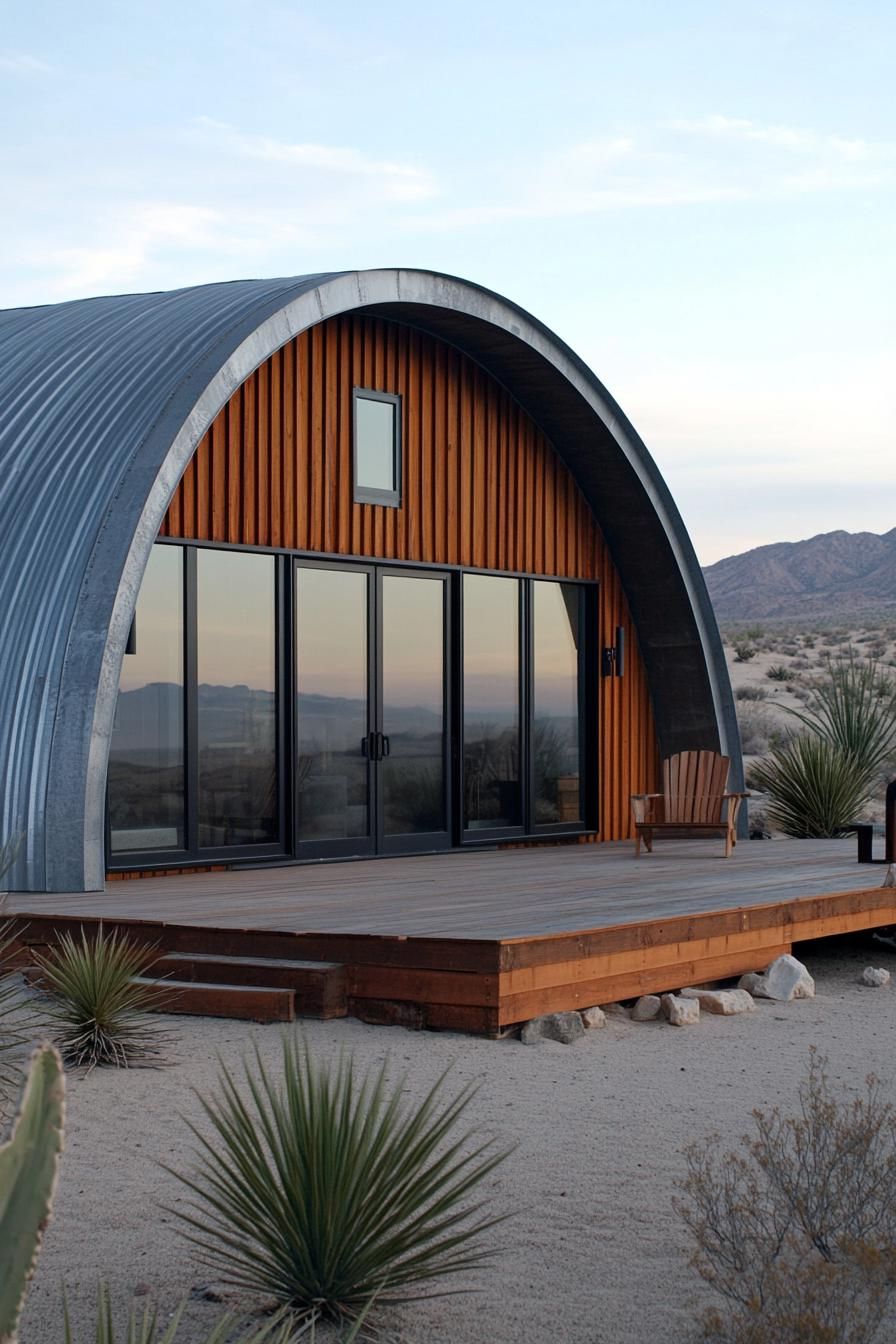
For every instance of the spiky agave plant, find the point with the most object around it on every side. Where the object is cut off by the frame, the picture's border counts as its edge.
(17, 1024)
(854, 709)
(99, 1003)
(143, 1326)
(323, 1189)
(816, 789)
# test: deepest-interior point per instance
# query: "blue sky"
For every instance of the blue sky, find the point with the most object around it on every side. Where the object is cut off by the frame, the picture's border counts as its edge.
(698, 197)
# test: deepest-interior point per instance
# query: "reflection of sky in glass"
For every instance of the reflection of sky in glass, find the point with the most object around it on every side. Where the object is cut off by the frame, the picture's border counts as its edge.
(235, 612)
(331, 623)
(159, 656)
(491, 645)
(375, 444)
(412, 642)
(556, 649)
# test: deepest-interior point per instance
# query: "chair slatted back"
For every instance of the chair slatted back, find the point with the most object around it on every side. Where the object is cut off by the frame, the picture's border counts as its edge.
(693, 785)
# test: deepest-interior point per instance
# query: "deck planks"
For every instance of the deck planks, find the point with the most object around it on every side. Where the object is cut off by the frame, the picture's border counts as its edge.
(478, 940)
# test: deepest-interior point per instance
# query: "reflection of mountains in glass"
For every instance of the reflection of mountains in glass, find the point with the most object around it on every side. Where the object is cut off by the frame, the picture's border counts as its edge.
(412, 720)
(151, 717)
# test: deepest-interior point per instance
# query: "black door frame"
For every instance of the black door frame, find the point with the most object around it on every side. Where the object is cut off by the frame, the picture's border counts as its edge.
(375, 745)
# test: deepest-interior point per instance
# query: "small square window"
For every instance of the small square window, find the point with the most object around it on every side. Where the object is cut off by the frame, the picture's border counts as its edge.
(377, 447)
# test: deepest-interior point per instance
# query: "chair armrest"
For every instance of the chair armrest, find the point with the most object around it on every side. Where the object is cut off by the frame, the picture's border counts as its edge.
(644, 806)
(736, 795)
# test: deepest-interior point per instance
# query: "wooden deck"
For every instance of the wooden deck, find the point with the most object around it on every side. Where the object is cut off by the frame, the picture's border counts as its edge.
(480, 940)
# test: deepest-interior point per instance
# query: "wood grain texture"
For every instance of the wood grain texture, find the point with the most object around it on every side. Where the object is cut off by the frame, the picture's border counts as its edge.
(482, 486)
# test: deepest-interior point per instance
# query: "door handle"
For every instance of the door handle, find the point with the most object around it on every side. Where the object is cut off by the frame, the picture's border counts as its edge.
(384, 745)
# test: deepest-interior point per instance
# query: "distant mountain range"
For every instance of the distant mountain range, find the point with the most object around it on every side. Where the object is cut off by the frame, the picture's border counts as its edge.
(837, 574)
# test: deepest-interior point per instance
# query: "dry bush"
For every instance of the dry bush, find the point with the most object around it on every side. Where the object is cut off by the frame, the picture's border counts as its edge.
(757, 729)
(796, 1232)
(744, 651)
(751, 693)
(779, 672)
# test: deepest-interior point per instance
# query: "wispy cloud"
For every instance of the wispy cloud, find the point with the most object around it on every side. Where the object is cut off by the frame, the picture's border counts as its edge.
(397, 181)
(20, 63)
(797, 139)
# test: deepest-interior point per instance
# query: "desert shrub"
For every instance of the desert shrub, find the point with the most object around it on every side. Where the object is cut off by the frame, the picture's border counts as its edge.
(808, 641)
(744, 651)
(854, 709)
(757, 728)
(751, 693)
(17, 1023)
(753, 632)
(99, 1009)
(321, 1190)
(779, 672)
(142, 1327)
(796, 1232)
(799, 664)
(815, 789)
(789, 649)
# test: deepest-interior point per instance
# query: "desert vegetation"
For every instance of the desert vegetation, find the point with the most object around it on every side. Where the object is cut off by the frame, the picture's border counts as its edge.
(795, 1231)
(323, 1190)
(817, 714)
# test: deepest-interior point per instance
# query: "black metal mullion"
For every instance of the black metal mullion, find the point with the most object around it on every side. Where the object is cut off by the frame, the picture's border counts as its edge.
(283, 701)
(527, 727)
(375, 698)
(191, 703)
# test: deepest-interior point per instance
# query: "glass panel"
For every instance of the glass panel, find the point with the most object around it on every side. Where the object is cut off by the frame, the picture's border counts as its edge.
(146, 758)
(413, 705)
(556, 733)
(237, 713)
(375, 444)
(491, 702)
(331, 711)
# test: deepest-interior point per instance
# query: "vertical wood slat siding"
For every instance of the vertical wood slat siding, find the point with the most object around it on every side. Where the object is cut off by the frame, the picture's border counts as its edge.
(482, 486)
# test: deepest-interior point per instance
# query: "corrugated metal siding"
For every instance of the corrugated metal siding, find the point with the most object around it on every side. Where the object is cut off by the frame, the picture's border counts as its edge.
(482, 487)
(83, 386)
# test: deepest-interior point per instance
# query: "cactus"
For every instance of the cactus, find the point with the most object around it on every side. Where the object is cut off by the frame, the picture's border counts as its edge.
(28, 1165)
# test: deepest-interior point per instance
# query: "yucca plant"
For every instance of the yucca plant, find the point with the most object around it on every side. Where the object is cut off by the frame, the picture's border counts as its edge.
(17, 1024)
(816, 789)
(143, 1327)
(323, 1189)
(99, 1009)
(854, 708)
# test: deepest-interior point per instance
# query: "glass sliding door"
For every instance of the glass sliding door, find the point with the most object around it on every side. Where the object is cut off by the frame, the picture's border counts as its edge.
(236, 710)
(414, 758)
(333, 767)
(492, 783)
(146, 757)
(557, 649)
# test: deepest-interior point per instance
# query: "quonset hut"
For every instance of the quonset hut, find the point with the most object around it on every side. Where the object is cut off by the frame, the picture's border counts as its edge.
(331, 566)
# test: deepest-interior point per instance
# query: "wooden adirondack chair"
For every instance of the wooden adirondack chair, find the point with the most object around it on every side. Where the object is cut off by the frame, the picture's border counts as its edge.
(693, 801)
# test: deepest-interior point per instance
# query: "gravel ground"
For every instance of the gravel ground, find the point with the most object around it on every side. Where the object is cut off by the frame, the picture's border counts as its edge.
(594, 1253)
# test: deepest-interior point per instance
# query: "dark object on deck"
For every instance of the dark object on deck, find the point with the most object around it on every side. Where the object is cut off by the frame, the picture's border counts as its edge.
(865, 831)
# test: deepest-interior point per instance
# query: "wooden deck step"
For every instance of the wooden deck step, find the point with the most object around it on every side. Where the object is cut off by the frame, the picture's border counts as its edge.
(318, 987)
(250, 1003)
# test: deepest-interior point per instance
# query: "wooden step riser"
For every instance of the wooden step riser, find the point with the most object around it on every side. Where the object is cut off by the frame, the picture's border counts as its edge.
(243, 1003)
(317, 992)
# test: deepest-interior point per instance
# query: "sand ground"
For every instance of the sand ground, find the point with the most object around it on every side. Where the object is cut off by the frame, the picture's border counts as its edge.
(594, 1254)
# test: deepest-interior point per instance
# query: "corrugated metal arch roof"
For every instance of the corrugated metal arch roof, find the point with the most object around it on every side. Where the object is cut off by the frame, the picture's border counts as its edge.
(102, 402)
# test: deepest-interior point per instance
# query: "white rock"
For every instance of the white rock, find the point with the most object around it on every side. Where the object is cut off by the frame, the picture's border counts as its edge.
(648, 1007)
(563, 1027)
(784, 980)
(890, 876)
(725, 1002)
(750, 981)
(681, 1012)
(594, 1017)
(875, 977)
